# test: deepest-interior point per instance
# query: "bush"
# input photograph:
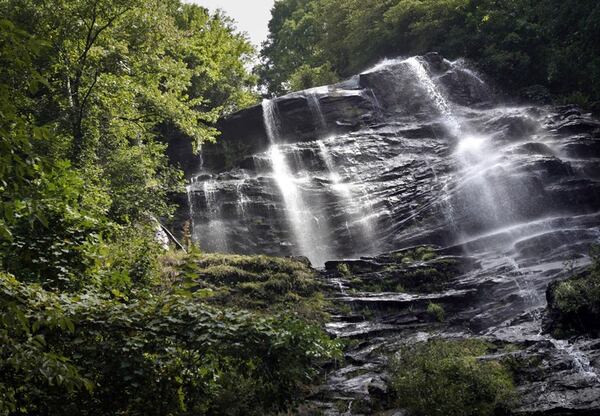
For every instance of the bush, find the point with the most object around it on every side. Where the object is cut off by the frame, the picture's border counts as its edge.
(436, 311)
(92, 355)
(447, 378)
(344, 270)
(574, 303)
(56, 234)
(130, 259)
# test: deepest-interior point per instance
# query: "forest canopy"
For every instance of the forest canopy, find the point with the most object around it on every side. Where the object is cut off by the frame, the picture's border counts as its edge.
(535, 49)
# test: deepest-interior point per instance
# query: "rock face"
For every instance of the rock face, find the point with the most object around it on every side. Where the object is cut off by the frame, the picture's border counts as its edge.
(408, 152)
(411, 152)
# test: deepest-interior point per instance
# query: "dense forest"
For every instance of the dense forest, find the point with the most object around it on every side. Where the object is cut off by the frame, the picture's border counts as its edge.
(96, 316)
(547, 51)
(93, 312)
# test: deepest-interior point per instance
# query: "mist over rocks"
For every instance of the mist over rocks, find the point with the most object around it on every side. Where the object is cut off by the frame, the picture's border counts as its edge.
(417, 152)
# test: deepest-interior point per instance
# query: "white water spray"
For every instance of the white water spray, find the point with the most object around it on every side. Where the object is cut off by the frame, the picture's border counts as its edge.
(215, 228)
(354, 210)
(315, 108)
(309, 233)
(434, 93)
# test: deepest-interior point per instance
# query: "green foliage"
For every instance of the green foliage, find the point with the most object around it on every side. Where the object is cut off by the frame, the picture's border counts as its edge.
(19, 166)
(411, 271)
(56, 246)
(423, 254)
(106, 83)
(446, 378)
(30, 369)
(436, 311)
(89, 354)
(293, 42)
(575, 303)
(90, 92)
(267, 285)
(50, 219)
(307, 77)
(218, 57)
(424, 279)
(344, 270)
(518, 43)
(129, 260)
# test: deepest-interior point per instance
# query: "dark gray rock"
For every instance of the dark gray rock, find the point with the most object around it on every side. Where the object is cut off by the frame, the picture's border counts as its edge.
(414, 152)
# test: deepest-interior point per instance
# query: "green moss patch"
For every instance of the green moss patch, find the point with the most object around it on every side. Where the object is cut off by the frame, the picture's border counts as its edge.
(269, 285)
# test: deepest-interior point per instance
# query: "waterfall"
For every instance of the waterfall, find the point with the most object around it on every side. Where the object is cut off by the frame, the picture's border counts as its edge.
(581, 362)
(309, 233)
(189, 189)
(434, 93)
(439, 165)
(242, 199)
(353, 209)
(478, 159)
(271, 121)
(190, 200)
(502, 195)
(215, 231)
(478, 189)
(315, 108)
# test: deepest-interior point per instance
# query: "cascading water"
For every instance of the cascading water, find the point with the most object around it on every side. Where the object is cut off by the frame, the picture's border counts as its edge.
(414, 152)
(434, 94)
(356, 212)
(309, 233)
(481, 191)
(243, 200)
(425, 158)
(271, 120)
(215, 228)
(315, 109)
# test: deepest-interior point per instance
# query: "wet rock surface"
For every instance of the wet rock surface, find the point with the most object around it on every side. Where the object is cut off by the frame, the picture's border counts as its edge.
(372, 190)
(478, 205)
(553, 377)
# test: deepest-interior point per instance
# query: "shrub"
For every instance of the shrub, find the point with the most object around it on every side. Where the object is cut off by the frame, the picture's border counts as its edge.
(447, 378)
(344, 269)
(56, 235)
(574, 303)
(92, 355)
(436, 311)
(306, 77)
(129, 260)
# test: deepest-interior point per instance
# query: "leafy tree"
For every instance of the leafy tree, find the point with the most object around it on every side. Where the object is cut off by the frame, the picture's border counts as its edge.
(307, 77)
(91, 93)
(519, 43)
(293, 42)
(119, 70)
(48, 218)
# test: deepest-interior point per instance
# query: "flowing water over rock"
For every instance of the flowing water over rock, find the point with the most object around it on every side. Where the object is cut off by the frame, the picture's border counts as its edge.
(416, 152)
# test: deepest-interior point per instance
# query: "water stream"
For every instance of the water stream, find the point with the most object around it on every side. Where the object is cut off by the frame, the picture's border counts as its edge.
(309, 233)
(410, 152)
(355, 211)
(428, 168)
